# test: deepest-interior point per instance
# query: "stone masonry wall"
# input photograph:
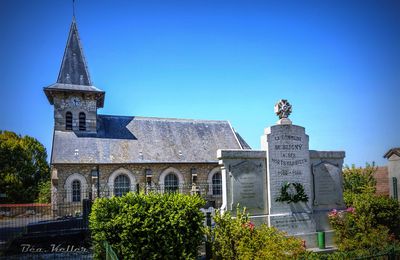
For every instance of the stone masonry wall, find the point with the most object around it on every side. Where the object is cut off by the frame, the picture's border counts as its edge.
(75, 104)
(62, 172)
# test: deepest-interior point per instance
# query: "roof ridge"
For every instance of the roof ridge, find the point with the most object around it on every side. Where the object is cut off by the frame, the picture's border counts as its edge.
(165, 118)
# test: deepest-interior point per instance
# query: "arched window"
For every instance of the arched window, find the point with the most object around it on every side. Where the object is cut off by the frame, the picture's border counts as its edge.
(121, 185)
(217, 184)
(214, 181)
(76, 191)
(171, 183)
(76, 185)
(68, 121)
(82, 121)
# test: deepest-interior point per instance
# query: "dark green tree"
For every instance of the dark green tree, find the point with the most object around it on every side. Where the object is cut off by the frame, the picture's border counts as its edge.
(23, 167)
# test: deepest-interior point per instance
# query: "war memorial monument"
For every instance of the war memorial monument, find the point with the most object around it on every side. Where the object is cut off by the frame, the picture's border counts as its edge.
(284, 184)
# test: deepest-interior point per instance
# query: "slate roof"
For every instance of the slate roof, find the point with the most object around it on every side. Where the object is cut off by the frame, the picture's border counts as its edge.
(74, 68)
(122, 139)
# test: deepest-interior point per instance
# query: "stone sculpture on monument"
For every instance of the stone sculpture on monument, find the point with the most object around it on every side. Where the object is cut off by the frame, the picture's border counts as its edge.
(283, 109)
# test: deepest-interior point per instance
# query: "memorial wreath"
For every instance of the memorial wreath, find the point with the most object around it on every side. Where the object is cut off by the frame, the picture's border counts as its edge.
(288, 197)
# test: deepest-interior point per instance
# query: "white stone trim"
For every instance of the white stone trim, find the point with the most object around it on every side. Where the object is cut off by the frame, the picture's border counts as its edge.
(115, 174)
(173, 171)
(68, 186)
(209, 180)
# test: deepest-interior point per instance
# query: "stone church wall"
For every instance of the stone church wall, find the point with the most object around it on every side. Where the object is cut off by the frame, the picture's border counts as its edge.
(61, 190)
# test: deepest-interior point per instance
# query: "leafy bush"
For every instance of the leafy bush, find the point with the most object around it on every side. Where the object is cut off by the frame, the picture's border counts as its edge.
(372, 222)
(152, 226)
(357, 181)
(357, 231)
(238, 238)
(379, 210)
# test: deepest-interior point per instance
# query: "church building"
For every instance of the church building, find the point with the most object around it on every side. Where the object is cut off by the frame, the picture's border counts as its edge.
(108, 155)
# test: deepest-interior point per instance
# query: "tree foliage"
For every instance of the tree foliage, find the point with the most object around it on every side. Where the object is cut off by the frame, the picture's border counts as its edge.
(359, 180)
(23, 166)
(44, 195)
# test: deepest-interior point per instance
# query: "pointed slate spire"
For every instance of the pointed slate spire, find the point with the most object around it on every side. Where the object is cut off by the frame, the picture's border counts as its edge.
(74, 69)
(73, 77)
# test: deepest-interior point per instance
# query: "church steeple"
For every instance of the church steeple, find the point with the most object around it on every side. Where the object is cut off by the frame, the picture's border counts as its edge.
(74, 69)
(74, 97)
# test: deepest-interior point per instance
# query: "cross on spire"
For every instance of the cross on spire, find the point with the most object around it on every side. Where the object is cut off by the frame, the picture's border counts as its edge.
(73, 8)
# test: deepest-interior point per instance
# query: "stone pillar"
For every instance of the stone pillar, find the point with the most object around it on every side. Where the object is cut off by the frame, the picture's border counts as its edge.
(288, 161)
(289, 174)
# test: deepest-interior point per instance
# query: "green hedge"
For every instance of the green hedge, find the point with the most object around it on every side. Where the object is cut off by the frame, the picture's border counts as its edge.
(148, 226)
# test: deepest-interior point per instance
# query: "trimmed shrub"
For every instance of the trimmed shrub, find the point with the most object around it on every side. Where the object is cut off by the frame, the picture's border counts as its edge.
(152, 226)
(238, 238)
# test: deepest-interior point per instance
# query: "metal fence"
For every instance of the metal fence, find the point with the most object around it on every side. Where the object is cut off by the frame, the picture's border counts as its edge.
(392, 254)
(204, 189)
(68, 202)
(33, 230)
(14, 219)
(62, 225)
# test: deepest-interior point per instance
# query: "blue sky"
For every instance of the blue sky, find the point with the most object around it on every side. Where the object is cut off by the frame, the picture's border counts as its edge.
(337, 62)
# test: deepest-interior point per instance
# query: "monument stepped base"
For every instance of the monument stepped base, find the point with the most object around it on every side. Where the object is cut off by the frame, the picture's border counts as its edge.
(311, 238)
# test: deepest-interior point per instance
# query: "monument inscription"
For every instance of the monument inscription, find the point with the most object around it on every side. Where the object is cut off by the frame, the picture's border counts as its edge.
(293, 223)
(245, 181)
(288, 162)
(327, 185)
